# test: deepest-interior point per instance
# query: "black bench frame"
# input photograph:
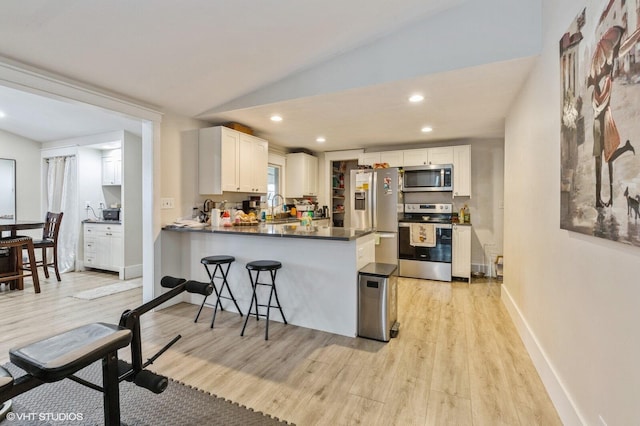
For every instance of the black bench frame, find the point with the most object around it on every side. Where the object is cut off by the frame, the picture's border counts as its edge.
(113, 370)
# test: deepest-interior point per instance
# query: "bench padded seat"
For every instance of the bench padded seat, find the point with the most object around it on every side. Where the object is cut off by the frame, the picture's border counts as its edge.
(59, 356)
(6, 380)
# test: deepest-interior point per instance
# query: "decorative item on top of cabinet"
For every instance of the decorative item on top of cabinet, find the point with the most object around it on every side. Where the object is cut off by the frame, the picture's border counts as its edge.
(231, 161)
(302, 175)
(461, 254)
(462, 171)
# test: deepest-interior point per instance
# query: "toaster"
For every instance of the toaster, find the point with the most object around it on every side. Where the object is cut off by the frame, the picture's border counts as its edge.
(111, 214)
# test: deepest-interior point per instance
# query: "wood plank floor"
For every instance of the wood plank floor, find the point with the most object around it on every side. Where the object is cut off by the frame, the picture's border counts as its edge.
(457, 360)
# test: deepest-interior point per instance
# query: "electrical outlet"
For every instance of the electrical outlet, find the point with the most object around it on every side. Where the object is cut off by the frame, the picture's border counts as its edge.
(166, 203)
(87, 204)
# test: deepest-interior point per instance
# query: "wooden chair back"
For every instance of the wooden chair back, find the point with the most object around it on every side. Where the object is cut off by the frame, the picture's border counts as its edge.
(52, 226)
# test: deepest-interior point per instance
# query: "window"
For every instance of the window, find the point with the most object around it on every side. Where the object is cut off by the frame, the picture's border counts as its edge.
(273, 180)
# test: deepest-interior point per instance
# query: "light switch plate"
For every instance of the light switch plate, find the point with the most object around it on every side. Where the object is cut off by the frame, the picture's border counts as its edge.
(166, 203)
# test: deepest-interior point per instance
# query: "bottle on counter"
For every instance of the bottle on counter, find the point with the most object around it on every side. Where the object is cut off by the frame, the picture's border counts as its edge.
(467, 214)
(461, 215)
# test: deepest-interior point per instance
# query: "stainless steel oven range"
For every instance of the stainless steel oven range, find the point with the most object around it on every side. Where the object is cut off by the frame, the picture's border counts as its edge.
(424, 241)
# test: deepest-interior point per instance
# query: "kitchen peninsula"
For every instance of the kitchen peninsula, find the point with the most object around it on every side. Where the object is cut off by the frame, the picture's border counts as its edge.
(317, 285)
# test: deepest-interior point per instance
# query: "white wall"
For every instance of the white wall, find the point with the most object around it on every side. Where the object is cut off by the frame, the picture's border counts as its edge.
(179, 165)
(27, 155)
(574, 298)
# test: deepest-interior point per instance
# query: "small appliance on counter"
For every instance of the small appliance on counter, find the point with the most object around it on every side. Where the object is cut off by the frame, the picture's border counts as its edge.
(111, 214)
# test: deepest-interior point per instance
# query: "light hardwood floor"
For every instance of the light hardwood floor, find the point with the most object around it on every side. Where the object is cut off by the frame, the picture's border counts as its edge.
(457, 360)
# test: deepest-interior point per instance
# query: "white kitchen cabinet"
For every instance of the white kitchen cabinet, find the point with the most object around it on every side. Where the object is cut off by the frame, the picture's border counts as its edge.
(462, 171)
(111, 171)
(461, 256)
(441, 155)
(392, 158)
(415, 157)
(368, 158)
(103, 246)
(231, 161)
(424, 156)
(254, 159)
(302, 175)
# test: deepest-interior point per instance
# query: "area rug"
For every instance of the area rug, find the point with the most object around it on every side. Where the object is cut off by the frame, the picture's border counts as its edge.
(108, 290)
(69, 403)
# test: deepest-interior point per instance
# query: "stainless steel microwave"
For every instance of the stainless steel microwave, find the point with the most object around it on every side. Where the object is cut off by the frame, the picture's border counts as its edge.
(432, 177)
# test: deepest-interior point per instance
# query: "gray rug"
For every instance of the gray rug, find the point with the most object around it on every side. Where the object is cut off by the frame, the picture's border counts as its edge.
(52, 403)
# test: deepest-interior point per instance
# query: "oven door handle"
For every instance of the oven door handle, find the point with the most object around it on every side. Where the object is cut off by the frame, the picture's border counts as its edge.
(437, 225)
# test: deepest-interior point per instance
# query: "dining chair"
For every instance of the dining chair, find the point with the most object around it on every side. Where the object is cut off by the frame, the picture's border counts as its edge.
(49, 240)
(19, 272)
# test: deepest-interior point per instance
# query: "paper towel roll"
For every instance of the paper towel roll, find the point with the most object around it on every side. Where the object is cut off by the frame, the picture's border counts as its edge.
(215, 217)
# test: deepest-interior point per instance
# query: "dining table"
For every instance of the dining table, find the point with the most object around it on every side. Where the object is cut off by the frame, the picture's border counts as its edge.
(12, 226)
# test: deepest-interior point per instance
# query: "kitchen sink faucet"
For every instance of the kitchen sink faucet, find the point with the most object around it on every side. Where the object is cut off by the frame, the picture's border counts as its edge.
(274, 205)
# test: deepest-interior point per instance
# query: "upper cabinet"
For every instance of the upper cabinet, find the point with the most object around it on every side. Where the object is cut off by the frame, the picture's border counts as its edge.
(231, 161)
(392, 158)
(462, 171)
(112, 168)
(368, 158)
(302, 175)
(441, 155)
(424, 156)
(254, 158)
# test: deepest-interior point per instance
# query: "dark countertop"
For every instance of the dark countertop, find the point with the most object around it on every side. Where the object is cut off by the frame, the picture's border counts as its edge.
(286, 231)
(291, 220)
(106, 222)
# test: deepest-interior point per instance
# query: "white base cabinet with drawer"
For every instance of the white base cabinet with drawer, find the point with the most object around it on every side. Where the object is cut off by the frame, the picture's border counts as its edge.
(103, 247)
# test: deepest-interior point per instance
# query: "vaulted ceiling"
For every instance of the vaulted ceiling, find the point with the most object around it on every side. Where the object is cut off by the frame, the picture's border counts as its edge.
(340, 69)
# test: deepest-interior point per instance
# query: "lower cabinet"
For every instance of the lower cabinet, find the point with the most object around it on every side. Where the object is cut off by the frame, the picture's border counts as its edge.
(103, 246)
(461, 256)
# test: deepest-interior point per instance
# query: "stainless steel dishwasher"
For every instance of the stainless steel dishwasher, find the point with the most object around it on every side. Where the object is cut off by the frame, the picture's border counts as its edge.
(378, 301)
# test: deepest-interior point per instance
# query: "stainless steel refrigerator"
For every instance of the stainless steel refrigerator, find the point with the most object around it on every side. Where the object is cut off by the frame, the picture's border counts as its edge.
(376, 201)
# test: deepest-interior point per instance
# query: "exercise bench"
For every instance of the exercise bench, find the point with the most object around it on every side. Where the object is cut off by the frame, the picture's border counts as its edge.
(60, 356)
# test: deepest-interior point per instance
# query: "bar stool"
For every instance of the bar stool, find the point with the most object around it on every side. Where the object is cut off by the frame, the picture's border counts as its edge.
(218, 261)
(272, 267)
(16, 244)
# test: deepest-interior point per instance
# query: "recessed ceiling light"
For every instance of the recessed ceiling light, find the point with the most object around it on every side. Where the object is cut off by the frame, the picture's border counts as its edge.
(416, 98)
(276, 118)
(2, 114)
(426, 129)
(320, 139)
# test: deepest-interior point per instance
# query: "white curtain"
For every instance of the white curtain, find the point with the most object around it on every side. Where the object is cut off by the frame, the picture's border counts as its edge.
(61, 197)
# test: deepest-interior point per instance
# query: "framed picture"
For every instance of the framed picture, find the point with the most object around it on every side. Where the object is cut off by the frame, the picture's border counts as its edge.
(600, 129)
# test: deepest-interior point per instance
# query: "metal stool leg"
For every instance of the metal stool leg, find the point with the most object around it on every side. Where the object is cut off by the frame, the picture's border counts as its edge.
(253, 299)
(275, 292)
(226, 283)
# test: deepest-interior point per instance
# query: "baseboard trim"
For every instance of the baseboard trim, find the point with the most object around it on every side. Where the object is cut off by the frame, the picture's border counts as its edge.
(567, 410)
(132, 271)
